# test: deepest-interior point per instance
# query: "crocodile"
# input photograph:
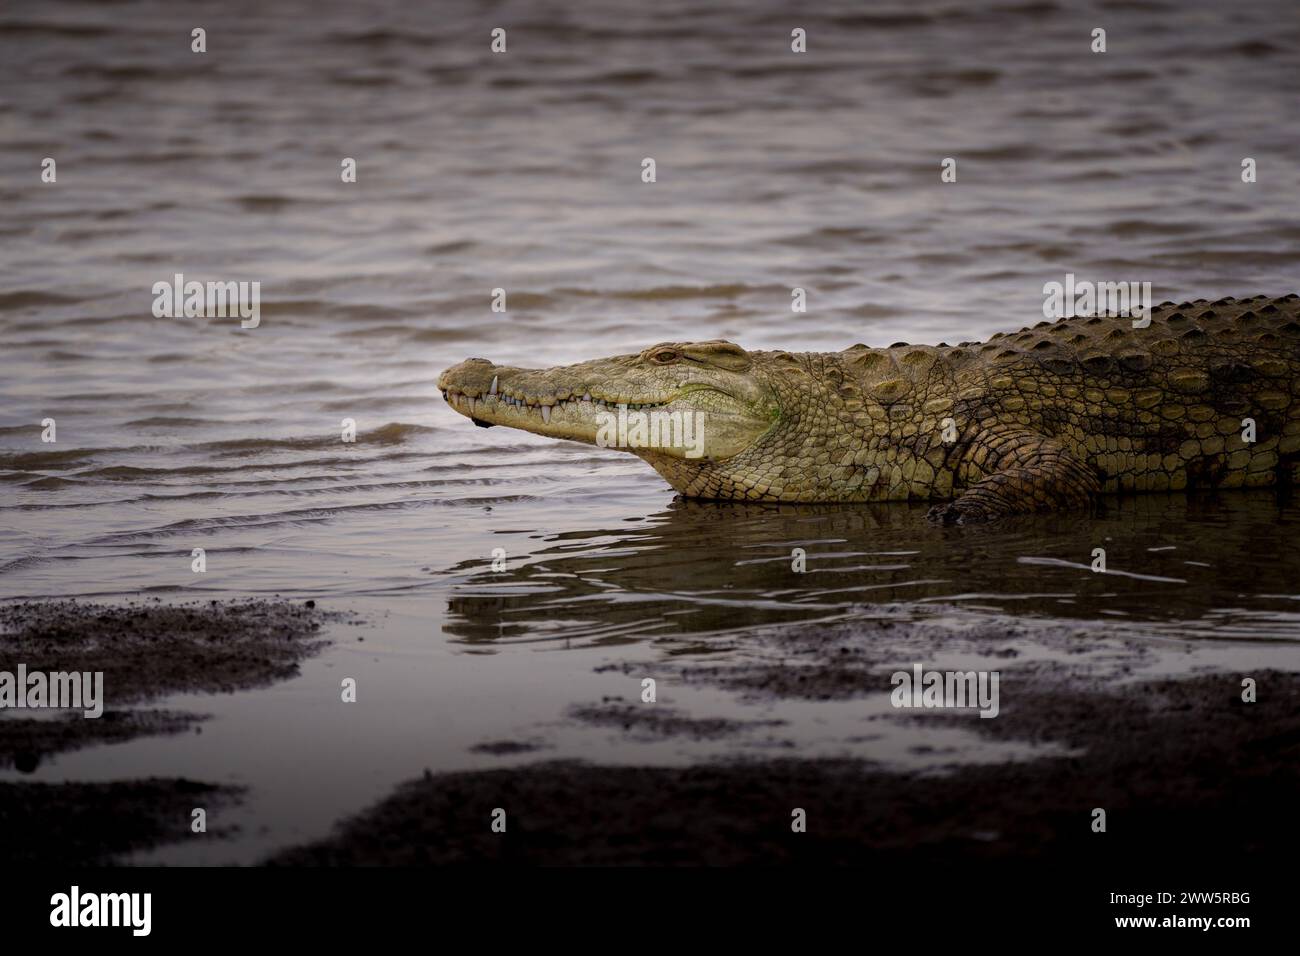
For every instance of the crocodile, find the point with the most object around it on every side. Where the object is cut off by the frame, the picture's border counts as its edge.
(1197, 395)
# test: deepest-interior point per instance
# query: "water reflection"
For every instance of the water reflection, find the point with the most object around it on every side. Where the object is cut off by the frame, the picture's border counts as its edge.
(1222, 566)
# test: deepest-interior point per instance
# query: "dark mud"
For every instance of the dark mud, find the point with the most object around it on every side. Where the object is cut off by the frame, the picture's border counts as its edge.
(89, 824)
(146, 648)
(1186, 772)
(847, 659)
(650, 722)
(507, 748)
(24, 743)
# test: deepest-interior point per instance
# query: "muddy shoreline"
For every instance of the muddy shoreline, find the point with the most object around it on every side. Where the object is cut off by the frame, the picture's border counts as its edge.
(1184, 768)
(1183, 772)
(94, 824)
(145, 650)
(1188, 773)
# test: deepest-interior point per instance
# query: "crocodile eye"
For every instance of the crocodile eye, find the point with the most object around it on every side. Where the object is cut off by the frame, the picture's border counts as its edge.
(665, 356)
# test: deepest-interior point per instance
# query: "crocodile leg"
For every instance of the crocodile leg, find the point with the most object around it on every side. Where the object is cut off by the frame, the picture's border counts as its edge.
(1024, 472)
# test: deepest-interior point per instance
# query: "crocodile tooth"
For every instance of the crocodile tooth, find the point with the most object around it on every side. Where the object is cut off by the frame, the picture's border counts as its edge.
(546, 414)
(493, 389)
(586, 396)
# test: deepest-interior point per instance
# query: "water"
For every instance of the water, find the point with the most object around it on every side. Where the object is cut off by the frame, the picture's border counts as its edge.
(522, 172)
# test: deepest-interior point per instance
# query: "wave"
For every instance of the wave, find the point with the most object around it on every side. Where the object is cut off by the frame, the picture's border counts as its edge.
(378, 38)
(299, 516)
(665, 293)
(264, 202)
(27, 29)
(162, 421)
(393, 433)
(28, 298)
(114, 72)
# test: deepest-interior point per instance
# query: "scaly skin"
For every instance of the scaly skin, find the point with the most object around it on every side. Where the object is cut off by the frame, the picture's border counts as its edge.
(1040, 420)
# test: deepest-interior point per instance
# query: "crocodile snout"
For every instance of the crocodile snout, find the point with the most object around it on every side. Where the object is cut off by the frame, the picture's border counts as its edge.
(469, 375)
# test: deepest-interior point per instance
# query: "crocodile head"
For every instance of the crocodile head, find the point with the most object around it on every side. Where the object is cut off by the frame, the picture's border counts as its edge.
(688, 408)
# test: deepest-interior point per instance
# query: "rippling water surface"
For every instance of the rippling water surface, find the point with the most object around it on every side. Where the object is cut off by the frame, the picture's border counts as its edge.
(522, 172)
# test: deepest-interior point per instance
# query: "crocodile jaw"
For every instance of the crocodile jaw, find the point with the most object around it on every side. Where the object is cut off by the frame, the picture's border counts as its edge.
(680, 420)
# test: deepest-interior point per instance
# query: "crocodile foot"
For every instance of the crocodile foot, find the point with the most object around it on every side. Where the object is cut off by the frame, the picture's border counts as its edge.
(961, 511)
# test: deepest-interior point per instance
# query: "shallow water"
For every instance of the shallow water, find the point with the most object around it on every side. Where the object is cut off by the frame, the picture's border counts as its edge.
(523, 172)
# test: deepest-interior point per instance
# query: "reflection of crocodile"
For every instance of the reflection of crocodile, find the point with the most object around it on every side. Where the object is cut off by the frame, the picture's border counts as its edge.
(1038, 420)
(1223, 569)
